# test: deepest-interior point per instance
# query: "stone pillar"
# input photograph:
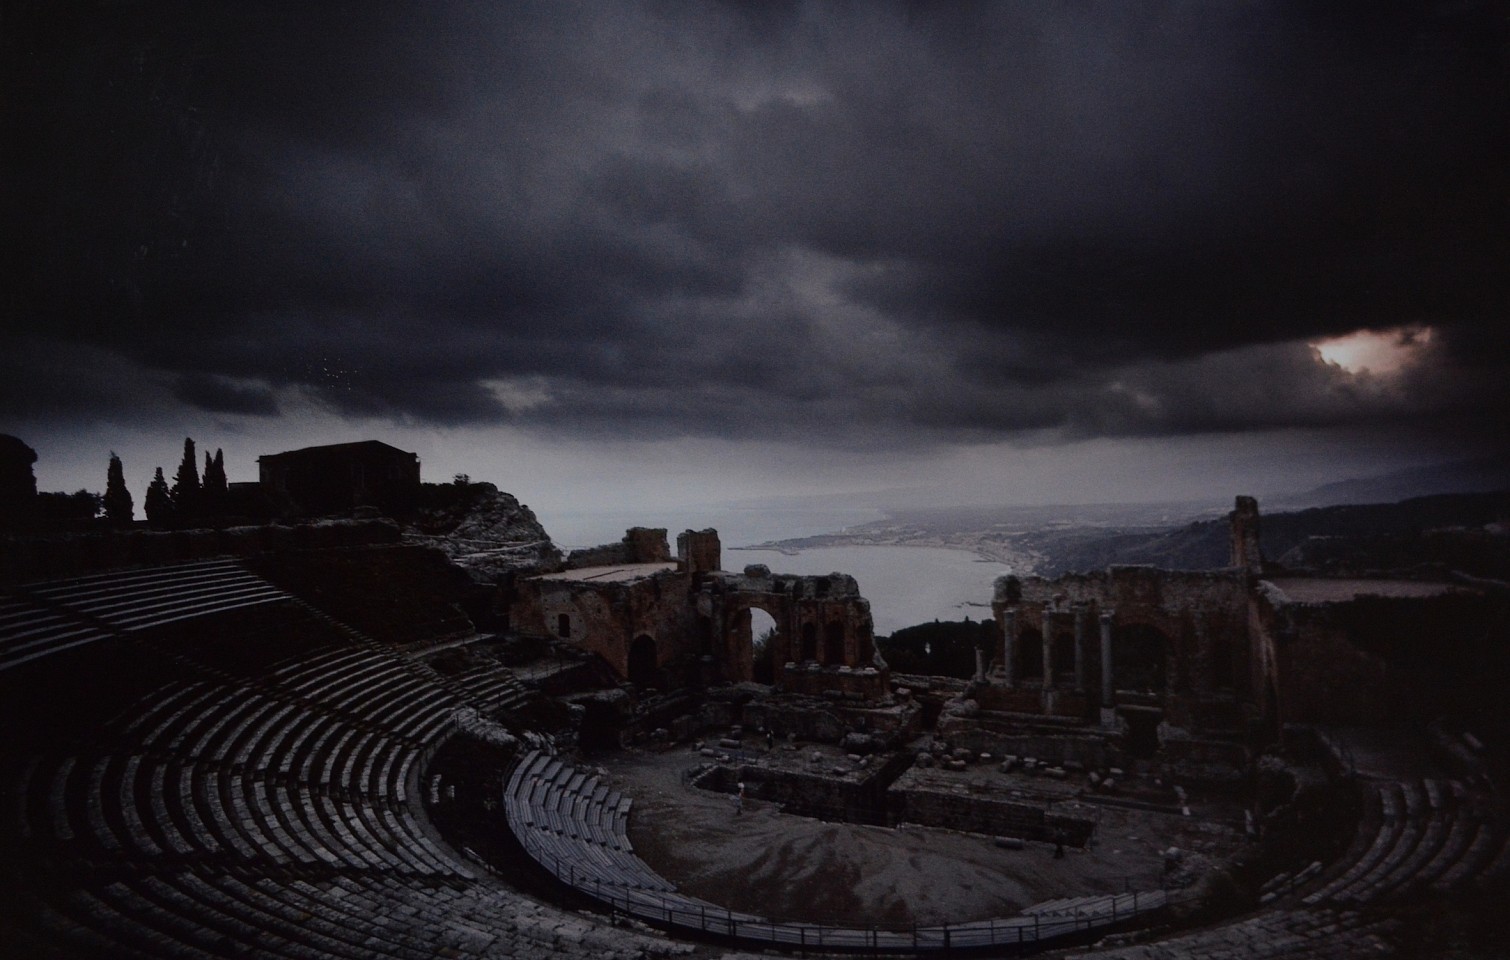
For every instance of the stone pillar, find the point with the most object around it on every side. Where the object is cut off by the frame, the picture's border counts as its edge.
(1080, 649)
(1009, 644)
(980, 664)
(1106, 660)
(1199, 671)
(1048, 648)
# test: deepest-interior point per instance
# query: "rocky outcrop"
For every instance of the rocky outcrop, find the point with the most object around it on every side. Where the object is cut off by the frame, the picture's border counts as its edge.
(488, 533)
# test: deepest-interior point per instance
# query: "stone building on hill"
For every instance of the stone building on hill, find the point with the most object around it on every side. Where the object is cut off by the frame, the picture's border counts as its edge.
(336, 478)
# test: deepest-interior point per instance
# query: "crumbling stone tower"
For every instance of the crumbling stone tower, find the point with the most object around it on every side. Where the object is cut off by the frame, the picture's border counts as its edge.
(1245, 548)
(700, 551)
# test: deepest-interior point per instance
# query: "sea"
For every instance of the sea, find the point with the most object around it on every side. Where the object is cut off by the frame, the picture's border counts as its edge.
(905, 585)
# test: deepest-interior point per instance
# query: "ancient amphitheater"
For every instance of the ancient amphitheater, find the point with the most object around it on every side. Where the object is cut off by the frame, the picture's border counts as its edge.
(295, 742)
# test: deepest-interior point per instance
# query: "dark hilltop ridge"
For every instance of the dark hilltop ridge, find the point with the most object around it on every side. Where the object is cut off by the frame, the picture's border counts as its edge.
(1464, 532)
(341, 712)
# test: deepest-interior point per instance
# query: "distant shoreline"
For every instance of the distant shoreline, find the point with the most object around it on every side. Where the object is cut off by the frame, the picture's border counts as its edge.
(984, 553)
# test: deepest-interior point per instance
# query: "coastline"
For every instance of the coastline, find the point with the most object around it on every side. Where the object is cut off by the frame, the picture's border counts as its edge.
(1019, 560)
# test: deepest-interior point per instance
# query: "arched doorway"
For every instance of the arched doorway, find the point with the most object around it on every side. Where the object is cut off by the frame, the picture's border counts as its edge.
(833, 642)
(1064, 656)
(1138, 658)
(1029, 654)
(809, 641)
(762, 646)
(643, 669)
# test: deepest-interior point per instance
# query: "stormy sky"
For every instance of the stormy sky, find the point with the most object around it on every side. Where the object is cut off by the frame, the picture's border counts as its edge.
(649, 252)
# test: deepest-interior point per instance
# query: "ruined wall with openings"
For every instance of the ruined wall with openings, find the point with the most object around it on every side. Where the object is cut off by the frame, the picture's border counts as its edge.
(610, 619)
(818, 619)
(1179, 640)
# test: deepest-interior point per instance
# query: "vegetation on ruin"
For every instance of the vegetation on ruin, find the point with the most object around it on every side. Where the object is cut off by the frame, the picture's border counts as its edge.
(943, 648)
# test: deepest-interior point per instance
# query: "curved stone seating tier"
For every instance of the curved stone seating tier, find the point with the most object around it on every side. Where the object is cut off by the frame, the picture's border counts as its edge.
(1303, 934)
(249, 791)
(41, 619)
(1418, 834)
(139, 599)
(29, 631)
(576, 829)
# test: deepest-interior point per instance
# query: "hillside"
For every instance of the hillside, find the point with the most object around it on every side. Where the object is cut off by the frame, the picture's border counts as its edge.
(1457, 531)
(485, 531)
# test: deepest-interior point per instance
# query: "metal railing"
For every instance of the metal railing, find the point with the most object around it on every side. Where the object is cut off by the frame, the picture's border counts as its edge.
(677, 911)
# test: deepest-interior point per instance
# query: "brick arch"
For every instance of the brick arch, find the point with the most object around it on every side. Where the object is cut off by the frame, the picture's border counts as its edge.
(739, 638)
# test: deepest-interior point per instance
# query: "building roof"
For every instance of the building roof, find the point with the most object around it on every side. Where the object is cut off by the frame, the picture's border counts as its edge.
(357, 448)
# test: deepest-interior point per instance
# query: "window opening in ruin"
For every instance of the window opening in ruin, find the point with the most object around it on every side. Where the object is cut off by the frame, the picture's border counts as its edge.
(1142, 730)
(1221, 661)
(1138, 658)
(763, 643)
(705, 635)
(809, 641)
(642, 663)
(833, 642)
(1029, 653)
(563, 626)
(1064, 656)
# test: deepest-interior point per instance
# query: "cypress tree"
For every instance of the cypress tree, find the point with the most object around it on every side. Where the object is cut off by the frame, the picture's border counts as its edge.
(120, 509)
(159, 502)
(215, 486)
(186, 484)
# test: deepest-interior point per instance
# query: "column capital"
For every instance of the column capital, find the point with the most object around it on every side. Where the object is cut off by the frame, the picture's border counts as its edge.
(1106, 616)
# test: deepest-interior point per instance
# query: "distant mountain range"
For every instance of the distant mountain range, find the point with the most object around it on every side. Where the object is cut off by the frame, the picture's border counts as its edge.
(1464, 532)
(1447, 516)
(1479, 475)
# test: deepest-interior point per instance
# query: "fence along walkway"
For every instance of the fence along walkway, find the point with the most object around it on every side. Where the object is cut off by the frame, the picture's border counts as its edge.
(576, 829)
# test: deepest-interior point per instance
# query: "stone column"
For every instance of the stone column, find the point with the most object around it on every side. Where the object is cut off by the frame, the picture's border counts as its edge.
(980, 664)
(1199, 671)
(1009, 644)
(1106, 660)
(1080, 649)
(1048, 647)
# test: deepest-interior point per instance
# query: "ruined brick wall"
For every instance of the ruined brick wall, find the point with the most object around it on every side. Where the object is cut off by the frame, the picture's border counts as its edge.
(813, 679)
(699, 551)
(1389, 659)
(822, 619)
(640, 545)
(1246, 552)
(1326, 679)
(1199, 619)
(606, 618)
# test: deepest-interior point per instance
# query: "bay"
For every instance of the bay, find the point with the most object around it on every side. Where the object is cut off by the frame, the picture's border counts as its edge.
(905, 585)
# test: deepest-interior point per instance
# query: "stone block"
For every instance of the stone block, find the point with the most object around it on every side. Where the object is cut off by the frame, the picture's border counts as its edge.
(1010, 843)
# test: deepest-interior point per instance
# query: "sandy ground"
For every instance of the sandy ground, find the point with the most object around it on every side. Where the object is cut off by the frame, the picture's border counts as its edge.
(797, 868)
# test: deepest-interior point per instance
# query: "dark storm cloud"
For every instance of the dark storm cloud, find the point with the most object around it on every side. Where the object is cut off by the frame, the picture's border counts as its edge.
(220, 395)
(897, 220)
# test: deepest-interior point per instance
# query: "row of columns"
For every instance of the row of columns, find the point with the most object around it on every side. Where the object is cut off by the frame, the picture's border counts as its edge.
(1009, 650)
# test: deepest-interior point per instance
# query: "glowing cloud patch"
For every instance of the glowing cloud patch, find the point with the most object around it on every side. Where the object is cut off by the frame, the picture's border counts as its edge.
(1375, 351)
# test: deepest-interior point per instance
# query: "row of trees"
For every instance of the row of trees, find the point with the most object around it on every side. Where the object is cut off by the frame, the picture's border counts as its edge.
(943, 648)
(190, 496)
